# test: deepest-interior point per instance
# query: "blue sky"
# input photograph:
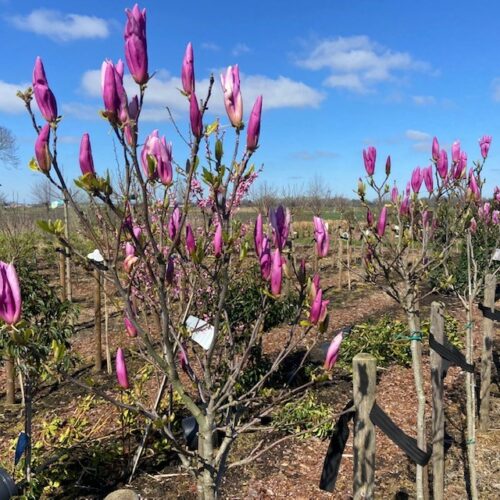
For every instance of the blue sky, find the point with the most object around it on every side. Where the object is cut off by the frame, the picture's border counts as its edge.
(336, 76)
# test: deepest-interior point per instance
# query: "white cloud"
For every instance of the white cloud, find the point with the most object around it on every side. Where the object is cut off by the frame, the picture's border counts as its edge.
(210, 46)
(357, 63)
(314, 155)
(9, 102)
(421, 141)
(162, 91)
(417, 135)
(62, 27)
(240, 48)
(495, 86)
(423, 100)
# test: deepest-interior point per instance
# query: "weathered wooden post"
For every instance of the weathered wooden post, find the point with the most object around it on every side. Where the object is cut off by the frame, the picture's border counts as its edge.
(97, 315)
(364, 370)
(487, 353)
(10, 384)
(437, 329)
(62, 272)
(339, 257)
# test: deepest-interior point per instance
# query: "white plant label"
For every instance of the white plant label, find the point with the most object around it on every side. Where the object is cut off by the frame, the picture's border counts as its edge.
(496, 254)
(201, 331)
(95, 256)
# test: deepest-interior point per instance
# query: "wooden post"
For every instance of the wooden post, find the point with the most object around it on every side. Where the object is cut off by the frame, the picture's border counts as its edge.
(105, 289)
(10, 385)
(349, 253)
(437, 329)
(339, 259)
(487, 354)
(364, 378)
(97, 315)
(69, 288)
(62, 273)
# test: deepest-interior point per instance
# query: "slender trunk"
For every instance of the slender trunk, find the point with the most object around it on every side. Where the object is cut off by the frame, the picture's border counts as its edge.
(27, 425)
(10, 385)
(471, 411)
(69, 294)
(62, 273)
(416, 354)
(207, 477)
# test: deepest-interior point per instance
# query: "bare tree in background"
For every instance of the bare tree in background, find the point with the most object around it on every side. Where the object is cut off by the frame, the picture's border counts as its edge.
(318, 194)
(292, 196)
(264, 196)
(8, 148)
(42, 193)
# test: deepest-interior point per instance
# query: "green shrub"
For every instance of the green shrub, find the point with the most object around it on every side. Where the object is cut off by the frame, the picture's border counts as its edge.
(305, 415)
(386, 339)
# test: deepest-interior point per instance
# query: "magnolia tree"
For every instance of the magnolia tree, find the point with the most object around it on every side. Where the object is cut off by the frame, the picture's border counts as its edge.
(171, 243)
(413, 235)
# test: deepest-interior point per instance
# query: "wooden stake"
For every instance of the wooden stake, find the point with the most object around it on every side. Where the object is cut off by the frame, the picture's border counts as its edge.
(487, 353)
(10, 385)
(97, 315)
(437, 329)
(364, 373)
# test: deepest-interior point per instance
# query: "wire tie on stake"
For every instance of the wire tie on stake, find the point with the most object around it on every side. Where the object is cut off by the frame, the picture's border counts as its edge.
(470, 441)
(468, 325)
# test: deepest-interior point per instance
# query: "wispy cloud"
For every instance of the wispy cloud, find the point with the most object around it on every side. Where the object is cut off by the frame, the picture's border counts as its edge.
(358, 64)
(314, 155)
(280, 92)
(9, 102)
(210, 46)
(495, 87)
(241, 48)
(60, 26)
(423, 100)
(421, 141)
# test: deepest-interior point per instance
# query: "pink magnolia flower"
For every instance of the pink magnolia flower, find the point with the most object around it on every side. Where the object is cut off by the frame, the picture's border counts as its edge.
(156, 158)
(428, 178)
(42, 151)
(394, 194)
(473, 186)
(369, 218)
(113, 91)
(218, 241)
(258, 234)
(280, 222)
(333, 351)
(382, 222)
(85, 157)
(455, 152)
(495, 217)
(253, 128)
(265, 259)
(435, 149)
(136, 45)
(187, 71)
(276, 273)
(416, 180)
(442, 164)
(232, 95)
(369, 158)
(43, 95)
(321, 237)
(10, 294)
(388, 166)
(473, 225)
(195, 116)
(129, 327)
(318, 311)
(484, 145)
(174, 223)
(121, 369)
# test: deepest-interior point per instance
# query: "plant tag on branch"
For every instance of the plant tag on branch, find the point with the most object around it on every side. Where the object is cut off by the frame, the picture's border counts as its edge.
(95, 256)
(201, 332)
(496, 254)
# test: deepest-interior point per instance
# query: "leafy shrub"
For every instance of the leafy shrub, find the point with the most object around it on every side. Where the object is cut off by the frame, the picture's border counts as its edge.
(305, 415)
(387, 340)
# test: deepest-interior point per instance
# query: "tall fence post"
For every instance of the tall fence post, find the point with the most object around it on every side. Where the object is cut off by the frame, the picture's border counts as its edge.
(437, 329)
(339, 258)
(98, 326)
(364, 370)
(62, 273)
(487, 353)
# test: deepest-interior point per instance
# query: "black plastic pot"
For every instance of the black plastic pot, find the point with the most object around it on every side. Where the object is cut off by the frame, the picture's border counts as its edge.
(8, 487)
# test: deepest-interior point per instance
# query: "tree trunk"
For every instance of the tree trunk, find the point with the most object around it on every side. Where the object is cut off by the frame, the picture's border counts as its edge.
(97, 328)
(416, 355)
(206, 483)
(471, 410)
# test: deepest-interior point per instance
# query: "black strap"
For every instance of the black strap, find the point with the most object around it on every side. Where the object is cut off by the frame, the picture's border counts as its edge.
(450, 353)
(398, 437)
(488, 313)
(333, 456)
(497, 292)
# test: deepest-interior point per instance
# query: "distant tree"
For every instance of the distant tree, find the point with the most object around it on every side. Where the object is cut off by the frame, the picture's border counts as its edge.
(264, 196)
(292, 196)
(43, 193)
(318, 194)
(8, 148)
